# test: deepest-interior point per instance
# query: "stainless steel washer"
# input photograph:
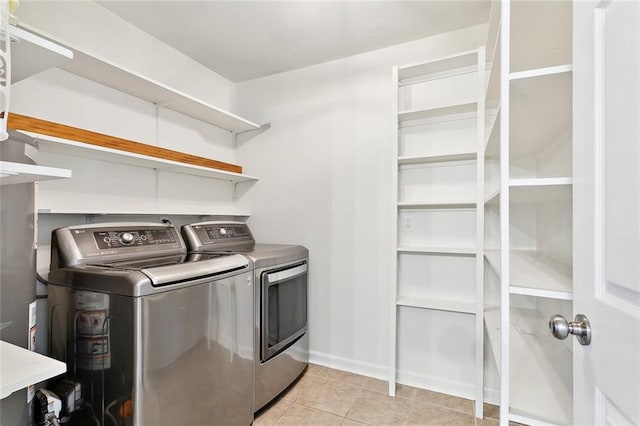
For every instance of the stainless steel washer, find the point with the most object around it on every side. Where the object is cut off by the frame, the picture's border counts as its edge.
(154, 338)
(280, 273)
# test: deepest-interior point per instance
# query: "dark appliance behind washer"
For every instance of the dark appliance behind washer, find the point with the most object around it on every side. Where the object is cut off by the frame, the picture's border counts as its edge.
(280, 272)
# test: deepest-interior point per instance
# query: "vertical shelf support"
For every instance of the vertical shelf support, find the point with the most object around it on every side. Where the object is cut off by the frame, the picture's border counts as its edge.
(480, 135)
(505, 21)
(394, 238)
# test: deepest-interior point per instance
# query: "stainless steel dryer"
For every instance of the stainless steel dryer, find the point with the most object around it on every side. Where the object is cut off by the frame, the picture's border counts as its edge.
(280, 273)
(153, 338)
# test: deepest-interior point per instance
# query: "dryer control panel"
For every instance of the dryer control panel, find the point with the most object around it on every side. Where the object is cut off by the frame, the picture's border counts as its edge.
(210, 236)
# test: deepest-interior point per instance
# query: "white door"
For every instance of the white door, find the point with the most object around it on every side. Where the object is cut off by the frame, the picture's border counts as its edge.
(607, 210)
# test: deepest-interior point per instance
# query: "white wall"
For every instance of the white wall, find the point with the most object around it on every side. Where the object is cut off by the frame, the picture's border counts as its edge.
(325, 169)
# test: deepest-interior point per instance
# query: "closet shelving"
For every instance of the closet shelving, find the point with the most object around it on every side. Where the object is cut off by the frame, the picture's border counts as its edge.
(116, 76)
(57, 145)
(528, 209)
(437, 268)
(31, 54)
(15, 173)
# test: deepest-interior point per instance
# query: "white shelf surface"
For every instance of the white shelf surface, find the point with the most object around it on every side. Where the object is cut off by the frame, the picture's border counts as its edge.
(440, 65)
(539, 190)
(534, 274)
(492, 324)
(437, 304)
(539, 72)
(31, 54)
(493, 257)
(438, 204)
(79, 149)
(540, 111)
(439, 250)
(541, 370)
(14, 173)
(404, 116)
(20, 368)
(492, 143)
(531, 182)
(492, 94)
(103, 212)
(494, 28)
(493, 197)
(463, 156)
(128, 81)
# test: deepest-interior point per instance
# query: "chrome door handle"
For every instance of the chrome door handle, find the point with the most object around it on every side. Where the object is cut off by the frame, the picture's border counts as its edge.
(580, 327)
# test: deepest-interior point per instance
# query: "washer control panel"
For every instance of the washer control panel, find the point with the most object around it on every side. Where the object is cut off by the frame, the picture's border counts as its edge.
(126, 238)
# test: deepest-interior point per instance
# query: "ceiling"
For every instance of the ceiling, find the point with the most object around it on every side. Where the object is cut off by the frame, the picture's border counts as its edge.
(243, 40)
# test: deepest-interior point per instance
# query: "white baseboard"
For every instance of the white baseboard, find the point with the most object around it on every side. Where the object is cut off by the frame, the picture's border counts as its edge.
(381, 372)
(352, 366)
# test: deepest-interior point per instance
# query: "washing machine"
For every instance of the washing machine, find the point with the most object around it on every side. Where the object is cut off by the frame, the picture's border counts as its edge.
(280, 274)
(151, 336)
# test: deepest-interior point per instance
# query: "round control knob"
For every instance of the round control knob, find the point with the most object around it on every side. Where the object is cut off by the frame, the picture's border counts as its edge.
(126, 238)
(222, 231)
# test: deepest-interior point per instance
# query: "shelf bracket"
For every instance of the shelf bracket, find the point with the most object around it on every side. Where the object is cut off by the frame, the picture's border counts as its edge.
(249, 134)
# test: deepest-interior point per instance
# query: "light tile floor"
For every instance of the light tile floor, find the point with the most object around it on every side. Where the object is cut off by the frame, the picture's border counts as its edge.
(323, 396)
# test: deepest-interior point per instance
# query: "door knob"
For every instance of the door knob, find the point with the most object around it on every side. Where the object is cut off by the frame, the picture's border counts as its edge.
(580, 327)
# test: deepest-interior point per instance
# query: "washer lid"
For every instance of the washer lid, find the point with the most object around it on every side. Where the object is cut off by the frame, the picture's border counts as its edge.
(190, 271)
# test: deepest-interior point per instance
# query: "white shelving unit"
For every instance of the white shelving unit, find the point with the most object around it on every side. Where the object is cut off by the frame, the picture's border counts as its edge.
(20, 368)
(120, 78)
(104, 212)
(31, 54)
(438, 253)
(14, 173)
(528, 208)
(78, 149)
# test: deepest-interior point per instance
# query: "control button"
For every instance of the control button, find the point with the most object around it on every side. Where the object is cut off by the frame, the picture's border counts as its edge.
(106, 240)
(126, 238)
(143, 237)
(222, 232)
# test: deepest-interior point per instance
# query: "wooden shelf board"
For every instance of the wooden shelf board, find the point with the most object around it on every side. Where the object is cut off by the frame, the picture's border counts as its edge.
(492, 325)
(404, 116)
(78, 149)
(463, 156)
(32, 54)
(541, 369)
(437, 304)
(440, 65)
(62, 131)
(141, 213)
(20, 368)
(438, 204)
(105, 72)
(14, 173)
(439, 250)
